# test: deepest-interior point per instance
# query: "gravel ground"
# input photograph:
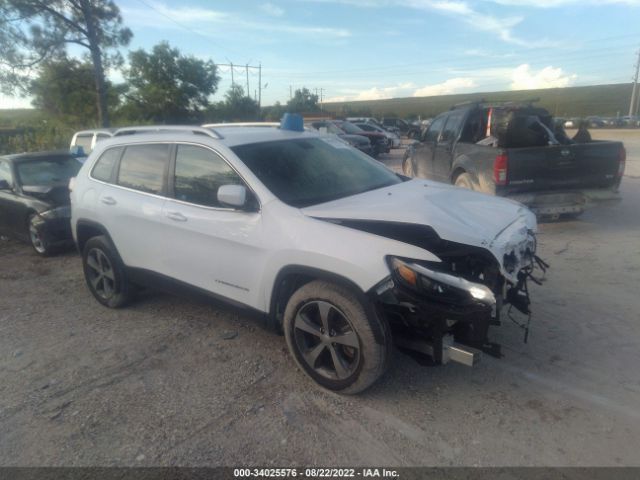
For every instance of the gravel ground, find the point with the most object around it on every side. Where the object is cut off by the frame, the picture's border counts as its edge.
(174, 381)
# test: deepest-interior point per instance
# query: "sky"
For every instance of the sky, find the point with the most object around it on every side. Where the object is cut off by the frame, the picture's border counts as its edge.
(374, 49)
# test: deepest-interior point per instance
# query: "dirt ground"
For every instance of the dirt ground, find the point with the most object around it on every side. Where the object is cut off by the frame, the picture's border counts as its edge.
(173, 381)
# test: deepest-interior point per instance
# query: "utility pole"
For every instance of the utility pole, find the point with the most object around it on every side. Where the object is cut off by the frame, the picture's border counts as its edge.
(247, 70)
(260, 85)
(321, 91)
(232, 82)
(290, 92)
(634, 92)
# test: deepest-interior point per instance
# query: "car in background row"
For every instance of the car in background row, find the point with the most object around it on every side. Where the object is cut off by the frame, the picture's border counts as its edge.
(357, 141)
(379, 142)
(34, 198)
(393, 138)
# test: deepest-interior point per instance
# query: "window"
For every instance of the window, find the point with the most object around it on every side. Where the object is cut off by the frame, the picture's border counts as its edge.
(452, 127)
(102, 136)
(47, 171)
(305, 172)
(143, 167)
(103, 168)
(199, 173)
(5, 173)
(434, 129)
(365, 127)
(84, 141)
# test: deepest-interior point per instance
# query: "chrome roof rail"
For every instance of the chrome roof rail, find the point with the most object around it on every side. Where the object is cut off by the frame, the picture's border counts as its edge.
(210, 132)
(242, 124)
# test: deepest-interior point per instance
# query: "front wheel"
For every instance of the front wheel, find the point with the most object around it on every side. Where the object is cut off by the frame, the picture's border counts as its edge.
(407, 168)
(335, 339)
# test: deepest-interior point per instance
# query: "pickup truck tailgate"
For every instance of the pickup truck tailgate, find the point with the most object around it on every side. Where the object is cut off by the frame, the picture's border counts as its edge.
(555, 167)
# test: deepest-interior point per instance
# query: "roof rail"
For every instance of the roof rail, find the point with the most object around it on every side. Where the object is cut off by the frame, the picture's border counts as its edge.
(496, 103)
(241, 124)
(168, 128)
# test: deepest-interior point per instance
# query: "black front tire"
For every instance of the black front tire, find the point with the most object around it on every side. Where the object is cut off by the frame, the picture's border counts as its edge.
(105, 274)
(352, 350)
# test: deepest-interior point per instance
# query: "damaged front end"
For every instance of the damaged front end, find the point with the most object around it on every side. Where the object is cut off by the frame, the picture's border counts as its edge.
(445, 309)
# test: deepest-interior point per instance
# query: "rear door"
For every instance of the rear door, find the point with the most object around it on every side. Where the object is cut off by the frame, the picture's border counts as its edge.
(423, 151)
(7, 200)
(210, 245)
(131, 207)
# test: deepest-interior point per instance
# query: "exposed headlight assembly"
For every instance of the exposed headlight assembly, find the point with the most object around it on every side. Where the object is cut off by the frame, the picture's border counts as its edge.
(439, 286)
(58, 212)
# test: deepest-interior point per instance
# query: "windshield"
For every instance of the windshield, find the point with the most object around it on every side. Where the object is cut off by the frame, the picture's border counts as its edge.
(350, 128)
(309, 171)
(47, 171)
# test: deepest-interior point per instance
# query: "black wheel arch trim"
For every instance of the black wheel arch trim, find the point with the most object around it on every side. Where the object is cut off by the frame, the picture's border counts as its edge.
(367, 299)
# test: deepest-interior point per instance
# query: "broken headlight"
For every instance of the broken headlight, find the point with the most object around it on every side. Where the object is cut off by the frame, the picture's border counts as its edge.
(437, 285)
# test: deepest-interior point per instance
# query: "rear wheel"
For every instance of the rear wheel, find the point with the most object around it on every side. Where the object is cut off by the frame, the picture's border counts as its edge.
(407, 168)
(464, 180)
(105, 274)
(334, 340)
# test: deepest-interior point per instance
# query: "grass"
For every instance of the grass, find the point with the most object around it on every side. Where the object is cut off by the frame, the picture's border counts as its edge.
(604, 100)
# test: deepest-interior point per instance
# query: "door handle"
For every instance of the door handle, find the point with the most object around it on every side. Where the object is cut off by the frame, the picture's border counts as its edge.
(108, 200)
(177, 216)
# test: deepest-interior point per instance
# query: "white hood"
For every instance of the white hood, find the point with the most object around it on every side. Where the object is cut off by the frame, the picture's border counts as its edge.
(457, 215)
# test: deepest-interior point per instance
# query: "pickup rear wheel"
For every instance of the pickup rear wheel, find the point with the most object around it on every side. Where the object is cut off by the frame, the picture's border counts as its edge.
(464, 180)
(334, 338)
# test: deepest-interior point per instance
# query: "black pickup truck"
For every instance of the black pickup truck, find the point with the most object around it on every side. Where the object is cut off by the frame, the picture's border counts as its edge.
(517, 151)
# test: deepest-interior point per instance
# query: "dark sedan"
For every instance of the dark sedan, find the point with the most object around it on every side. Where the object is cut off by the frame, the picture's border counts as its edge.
(379, 142)
(34, 198)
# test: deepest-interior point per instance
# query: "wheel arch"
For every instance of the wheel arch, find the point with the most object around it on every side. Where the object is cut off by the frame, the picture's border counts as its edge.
(86, 229)
(291, 277)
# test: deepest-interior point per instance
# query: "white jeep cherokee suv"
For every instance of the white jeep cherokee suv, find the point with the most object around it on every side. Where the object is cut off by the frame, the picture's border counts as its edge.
(333, 248)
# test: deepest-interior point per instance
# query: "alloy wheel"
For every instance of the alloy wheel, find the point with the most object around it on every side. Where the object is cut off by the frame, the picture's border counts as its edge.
(100, 273)
(326, 340)
(36, 240)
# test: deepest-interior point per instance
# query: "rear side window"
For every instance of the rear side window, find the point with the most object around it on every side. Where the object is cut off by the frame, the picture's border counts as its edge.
(103, 168)
(452, 127)
(199, 173)
(143, 167)
(434, 129)
(5, 173)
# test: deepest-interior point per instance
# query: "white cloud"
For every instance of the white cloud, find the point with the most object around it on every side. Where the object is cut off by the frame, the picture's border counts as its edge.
(453, 85)
(524, 78)
(271, 9)
(374, 93)
(163, 16)
(561, 3)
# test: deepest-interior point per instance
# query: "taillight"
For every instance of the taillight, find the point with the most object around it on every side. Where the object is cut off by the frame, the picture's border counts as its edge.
(622, 160)
(500, 169)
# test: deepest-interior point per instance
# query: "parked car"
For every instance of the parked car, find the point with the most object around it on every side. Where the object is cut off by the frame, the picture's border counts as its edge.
(613, 121)
(34, 198)
(631, 121)
(87, 139)
(572, 123)
(594, 121)
(379, 142)
(357, 141)
(401, 126)
(375, 122)
(392, 138)
(512, 151)
(336, 251)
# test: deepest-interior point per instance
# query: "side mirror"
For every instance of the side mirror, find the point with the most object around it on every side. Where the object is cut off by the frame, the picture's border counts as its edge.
(4, 185)
(233, 195)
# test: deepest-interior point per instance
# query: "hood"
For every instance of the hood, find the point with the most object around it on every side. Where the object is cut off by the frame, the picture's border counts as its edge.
(55, 195)
(457, 215)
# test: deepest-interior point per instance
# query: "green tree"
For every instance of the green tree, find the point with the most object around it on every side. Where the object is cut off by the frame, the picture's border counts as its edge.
(34, 31)
(65, 89)
(275, 112)
(303, 101)
(168, 87)
(240, 107)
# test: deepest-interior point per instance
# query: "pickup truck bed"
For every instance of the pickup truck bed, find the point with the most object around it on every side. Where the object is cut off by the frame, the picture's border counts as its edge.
(551, 179)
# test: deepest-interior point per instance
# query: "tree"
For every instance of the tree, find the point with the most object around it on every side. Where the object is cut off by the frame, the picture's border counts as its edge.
(303, 101)
(34, 31)
(168, 87)
(238, 106)
(65, 89)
